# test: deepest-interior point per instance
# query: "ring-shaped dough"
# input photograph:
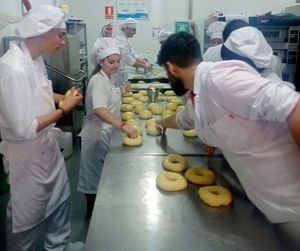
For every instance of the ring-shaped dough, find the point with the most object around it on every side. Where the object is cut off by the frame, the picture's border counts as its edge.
(135, 103)
(139, 108)
(127, 115)
(127, 100)
(157, 109)
(171, 182)
(149, 121)
(145, 114)
(132, 122)
(175, 163)
(144, 99)
(176, 101)
(132, 142)
(150, 105)
(200, 176)
(215, 196)
(167, 113)
(126, 107)
(143, 92)
(171, 106)
(153, 130)
(137, 95)
(190, 133)
(127, 94)
(170, 93)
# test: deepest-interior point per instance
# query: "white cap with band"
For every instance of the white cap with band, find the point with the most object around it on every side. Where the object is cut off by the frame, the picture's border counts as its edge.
(41, 20)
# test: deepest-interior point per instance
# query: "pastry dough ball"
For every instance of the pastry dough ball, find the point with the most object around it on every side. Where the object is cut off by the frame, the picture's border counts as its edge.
(127, 94)
(170, 93)
(137, 95)
(175, 163)
(150, 105)
(132, 122)
(127, 100)
(139, 108)
(171, 182)
(176, 101)
(167, 113)
(215, 196)
(200, 176)
(132, 142)
(126, 107)
(149, 121)
(145, 114)
(190, 133)
(153, 130)
(171, 106)
(127, 115)
(138, 128)
(156, 109)
(135, 103)
(144, 99)
(160, 97)
(143, 92)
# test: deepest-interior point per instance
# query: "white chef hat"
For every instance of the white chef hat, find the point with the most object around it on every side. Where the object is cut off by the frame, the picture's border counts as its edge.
(250, 43)
(128, 22)
(41, 20)
(103, 47)
(215, 29)
(163, 35)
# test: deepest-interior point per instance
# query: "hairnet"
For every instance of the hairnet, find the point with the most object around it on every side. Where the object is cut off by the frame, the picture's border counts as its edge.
(41, 20)
(215, 29)
(250, 42)
(128, 22)
(163, 35)
(103, 48)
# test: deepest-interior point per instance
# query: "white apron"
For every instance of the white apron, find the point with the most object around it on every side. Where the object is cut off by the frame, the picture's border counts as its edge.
(96, 135)
(36, 167)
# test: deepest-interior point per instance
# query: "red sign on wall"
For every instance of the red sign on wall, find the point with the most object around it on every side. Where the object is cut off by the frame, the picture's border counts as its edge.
(109, 12)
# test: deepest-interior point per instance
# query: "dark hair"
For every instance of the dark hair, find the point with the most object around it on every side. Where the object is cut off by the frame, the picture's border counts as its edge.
(180, 48)
(96, 70)
(232, 26)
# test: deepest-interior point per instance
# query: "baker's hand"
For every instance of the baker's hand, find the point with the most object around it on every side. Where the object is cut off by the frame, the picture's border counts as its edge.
(159, 125)
(148, 66)
(126, 87)
(209, 149)
(130, 131)
(71, 99)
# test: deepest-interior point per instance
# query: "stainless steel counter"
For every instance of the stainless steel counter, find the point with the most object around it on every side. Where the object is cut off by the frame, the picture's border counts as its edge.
(132, 214)
(172, 142)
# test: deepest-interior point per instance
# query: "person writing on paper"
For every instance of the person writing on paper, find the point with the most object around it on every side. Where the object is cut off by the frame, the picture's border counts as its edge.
(254, 122)
(102, 103)
(39, 188)
(128, 56)
(214, 31)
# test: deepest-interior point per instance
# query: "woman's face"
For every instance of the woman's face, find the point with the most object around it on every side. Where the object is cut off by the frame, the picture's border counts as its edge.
(111, 64)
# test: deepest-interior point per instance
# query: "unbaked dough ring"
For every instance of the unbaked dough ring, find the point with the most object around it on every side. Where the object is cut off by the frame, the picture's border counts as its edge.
(175, 163)
(215, 196)
(153, 130)
(132, 142)
(145, 114)
(127, 115)
(190, 133)
(126, 107)
(171, 182)
(127, 100)
(200, 176)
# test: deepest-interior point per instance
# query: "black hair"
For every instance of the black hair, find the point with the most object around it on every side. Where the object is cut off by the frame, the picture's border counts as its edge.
(232, 26)
(96, 70)
(180, 48)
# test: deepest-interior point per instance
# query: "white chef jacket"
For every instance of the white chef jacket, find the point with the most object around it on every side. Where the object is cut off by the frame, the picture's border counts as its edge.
(96, 133)
(128, 57)
(213, 54)
(245, 115)
(37, 174)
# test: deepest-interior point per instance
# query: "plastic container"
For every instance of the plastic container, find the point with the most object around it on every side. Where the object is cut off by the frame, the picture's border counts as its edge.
(65, 142)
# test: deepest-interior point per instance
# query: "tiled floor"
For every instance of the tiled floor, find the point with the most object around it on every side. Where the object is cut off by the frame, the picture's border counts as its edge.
(78, 220)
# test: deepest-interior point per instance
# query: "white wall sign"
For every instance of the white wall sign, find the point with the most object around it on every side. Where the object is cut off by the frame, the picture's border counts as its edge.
(138, 9)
